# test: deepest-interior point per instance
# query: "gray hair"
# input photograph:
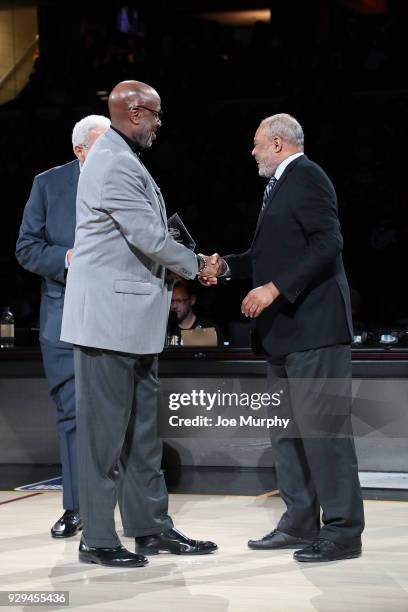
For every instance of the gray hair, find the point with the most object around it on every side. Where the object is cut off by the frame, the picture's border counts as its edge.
(83, 127)
(286, 127)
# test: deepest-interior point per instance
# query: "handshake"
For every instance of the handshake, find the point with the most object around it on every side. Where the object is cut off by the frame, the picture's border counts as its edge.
(214, 266)
(256, 300)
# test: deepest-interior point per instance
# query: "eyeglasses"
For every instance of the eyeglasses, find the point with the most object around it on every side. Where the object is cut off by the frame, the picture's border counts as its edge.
(157, 114)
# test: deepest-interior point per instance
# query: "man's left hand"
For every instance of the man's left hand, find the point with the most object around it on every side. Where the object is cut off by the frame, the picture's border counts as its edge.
(258, 299)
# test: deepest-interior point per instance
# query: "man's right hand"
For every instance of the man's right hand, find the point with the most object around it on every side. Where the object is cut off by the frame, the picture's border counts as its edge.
(215, 266)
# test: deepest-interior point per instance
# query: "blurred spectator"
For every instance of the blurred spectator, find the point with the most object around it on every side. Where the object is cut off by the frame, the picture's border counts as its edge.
(184, 317)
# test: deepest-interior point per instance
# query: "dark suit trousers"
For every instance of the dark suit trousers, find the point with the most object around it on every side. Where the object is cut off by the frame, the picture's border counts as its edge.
(59, 369)
(119, 451)
(316, 462)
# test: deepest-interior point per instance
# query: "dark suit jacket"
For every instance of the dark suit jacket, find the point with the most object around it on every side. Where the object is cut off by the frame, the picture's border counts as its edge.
(47, 232)
(297, 245)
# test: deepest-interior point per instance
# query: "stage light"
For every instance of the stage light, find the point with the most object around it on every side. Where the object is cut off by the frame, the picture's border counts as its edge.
(238, 18)
(102, 95)
(389, 338)
(366, 6)
(360, 337)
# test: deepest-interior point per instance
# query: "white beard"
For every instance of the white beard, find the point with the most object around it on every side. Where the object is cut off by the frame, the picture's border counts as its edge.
(265, 171)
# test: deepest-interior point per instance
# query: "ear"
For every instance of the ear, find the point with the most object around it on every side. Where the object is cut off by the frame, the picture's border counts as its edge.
(79, 152)
(134, 114)
(193, 300)
(277, 144)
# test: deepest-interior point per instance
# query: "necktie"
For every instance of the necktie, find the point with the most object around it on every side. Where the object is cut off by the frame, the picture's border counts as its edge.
(268, 190)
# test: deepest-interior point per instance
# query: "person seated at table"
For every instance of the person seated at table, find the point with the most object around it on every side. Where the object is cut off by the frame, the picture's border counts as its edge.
(182, 315)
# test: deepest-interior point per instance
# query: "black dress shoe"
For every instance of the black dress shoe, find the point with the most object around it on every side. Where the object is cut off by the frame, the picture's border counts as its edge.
(112, 557)
(325, 550)
(68, 525)
(277, 539)
(172, 541)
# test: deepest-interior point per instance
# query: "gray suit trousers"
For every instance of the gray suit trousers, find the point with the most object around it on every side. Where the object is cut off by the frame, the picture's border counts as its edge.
(119, 452)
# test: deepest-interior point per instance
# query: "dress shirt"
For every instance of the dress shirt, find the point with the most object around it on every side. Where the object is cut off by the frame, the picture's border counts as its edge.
(282, 166)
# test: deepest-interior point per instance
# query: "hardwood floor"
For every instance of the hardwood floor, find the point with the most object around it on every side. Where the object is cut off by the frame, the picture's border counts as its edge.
(233, 579)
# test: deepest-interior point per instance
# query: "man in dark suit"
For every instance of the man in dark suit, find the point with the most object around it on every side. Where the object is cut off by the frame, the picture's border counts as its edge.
(44, 246)
(302, 308)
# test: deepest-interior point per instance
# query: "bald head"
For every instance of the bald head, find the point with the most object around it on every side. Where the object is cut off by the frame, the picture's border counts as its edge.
(135, 110)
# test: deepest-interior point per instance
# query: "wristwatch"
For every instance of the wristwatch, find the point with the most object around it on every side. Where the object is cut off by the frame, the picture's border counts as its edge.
(202, 264)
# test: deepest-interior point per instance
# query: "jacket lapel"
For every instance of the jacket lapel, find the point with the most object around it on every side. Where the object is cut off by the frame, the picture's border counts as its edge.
(161, 203)
(73, 176)
(274, 192)
(157, 191)
(118, 140)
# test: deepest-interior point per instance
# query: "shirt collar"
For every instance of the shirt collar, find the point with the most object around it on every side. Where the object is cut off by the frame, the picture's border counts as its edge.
(282, 166)
(128, 141)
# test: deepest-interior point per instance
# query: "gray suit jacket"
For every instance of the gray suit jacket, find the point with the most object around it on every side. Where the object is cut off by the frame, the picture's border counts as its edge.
(117, 297)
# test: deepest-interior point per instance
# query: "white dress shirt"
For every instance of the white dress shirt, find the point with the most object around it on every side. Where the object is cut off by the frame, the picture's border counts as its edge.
(282, 166)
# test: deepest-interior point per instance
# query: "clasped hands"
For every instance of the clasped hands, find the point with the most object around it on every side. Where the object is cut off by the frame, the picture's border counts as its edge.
(215, 266)
(256, 300)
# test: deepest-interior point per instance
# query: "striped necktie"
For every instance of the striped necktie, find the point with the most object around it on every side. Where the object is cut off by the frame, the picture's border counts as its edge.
(268, 190)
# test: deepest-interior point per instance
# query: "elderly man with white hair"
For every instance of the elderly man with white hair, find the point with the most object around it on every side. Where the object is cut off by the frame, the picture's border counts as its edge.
(44, 247)
(300, 304)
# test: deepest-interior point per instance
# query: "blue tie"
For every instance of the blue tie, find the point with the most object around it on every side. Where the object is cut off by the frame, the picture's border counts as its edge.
(268, 190)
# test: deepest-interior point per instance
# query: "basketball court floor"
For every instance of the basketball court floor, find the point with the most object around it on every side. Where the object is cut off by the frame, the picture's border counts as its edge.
(232, 579)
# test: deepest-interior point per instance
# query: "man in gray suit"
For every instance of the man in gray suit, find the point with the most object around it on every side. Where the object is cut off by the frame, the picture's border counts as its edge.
(115, 313)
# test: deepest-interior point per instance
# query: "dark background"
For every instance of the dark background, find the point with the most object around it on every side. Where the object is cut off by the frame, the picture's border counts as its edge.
(338, 66)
